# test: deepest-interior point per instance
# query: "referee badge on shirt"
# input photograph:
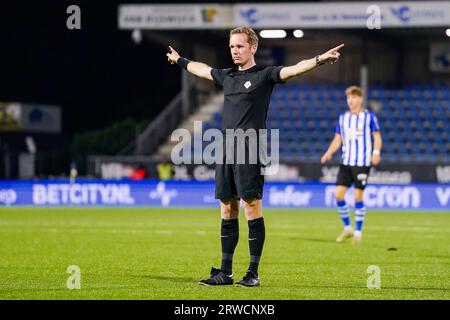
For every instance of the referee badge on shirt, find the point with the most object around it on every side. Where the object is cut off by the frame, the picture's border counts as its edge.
(247, 84)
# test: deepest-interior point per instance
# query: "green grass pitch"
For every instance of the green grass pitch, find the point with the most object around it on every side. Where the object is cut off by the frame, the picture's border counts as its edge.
(161, 254)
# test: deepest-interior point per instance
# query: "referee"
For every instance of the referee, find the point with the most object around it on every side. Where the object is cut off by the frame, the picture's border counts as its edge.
(247, 89)
(359, 133)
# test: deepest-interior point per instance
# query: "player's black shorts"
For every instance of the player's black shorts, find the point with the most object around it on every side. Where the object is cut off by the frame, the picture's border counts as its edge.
(239, 181)
(349, 175)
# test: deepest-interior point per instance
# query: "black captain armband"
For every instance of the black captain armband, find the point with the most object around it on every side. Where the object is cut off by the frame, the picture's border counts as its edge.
(318, 62)
(183, 63)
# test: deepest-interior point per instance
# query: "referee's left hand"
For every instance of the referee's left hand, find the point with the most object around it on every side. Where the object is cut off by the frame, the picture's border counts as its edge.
(375, 160)
(332, 55)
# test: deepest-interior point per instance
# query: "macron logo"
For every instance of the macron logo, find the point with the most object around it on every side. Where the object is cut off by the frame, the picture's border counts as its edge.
(164, 194)
(247, 84)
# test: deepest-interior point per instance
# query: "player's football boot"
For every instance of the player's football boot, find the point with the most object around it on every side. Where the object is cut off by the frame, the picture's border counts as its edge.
(218, 278)
(357, 238)
(249, 280)
(346, 234)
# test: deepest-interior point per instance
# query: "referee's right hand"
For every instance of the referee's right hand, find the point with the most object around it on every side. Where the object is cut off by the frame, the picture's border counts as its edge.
(172, 55)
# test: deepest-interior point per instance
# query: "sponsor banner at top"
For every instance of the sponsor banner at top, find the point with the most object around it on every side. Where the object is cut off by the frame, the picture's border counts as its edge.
(286, 15)
(344, 14)
(188, 16)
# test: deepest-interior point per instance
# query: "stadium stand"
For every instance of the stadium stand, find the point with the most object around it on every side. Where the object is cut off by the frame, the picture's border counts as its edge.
(415, 120)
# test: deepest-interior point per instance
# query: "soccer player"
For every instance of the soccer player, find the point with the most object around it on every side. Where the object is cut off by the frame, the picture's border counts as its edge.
(359, 133)
(247, 89)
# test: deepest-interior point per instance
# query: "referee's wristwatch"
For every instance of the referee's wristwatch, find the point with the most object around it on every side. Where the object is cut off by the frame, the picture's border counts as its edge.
(318, 62)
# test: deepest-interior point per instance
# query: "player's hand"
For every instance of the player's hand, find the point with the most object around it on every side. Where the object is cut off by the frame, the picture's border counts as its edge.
(325, 158)
(332, 55)
(375, 160)
(172, 55)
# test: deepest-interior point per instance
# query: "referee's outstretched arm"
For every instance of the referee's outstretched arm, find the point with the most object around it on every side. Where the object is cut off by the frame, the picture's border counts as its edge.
(305, 66)
(196, 68)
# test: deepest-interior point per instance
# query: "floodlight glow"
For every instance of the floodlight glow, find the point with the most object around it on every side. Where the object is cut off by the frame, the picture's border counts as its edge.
(447, 32)
(272, 34)
(298, 33)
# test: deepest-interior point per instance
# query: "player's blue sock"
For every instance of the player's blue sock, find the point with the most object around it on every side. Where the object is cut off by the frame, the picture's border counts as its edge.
(344, 212)
(360, 215)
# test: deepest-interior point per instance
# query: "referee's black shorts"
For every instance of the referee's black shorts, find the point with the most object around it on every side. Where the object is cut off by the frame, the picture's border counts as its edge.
(239, 181)
(349, 175)
(239, 176)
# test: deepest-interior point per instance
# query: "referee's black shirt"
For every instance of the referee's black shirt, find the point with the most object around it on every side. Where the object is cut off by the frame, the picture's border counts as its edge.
(247, 95)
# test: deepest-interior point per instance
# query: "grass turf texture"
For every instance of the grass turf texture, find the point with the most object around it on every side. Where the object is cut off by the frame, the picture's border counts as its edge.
(162, 253)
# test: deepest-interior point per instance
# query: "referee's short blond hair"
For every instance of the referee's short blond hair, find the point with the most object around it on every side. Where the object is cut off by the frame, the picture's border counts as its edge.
(354, 91)
(251, 34)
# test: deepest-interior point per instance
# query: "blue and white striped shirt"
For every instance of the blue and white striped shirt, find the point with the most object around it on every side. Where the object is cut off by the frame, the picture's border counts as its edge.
(357, 141)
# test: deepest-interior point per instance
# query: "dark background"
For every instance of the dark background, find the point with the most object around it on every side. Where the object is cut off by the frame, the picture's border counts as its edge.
(96, 74)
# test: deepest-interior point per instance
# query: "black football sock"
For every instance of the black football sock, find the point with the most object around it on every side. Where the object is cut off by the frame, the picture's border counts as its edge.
(256, 236)
(229, 237)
